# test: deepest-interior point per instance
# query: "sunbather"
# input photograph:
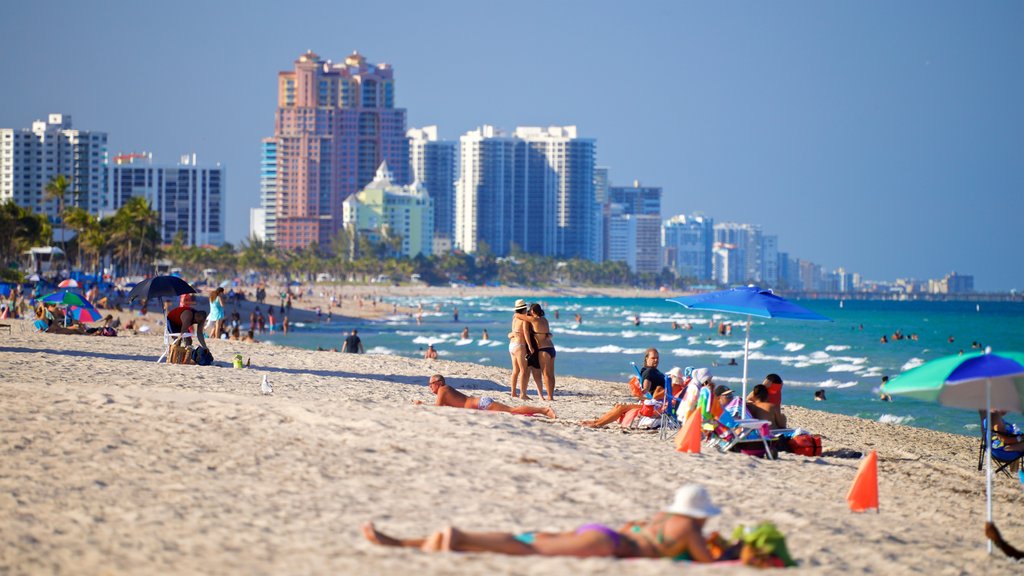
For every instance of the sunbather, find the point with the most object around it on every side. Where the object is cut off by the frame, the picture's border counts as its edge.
(673, 533)
(448, 396)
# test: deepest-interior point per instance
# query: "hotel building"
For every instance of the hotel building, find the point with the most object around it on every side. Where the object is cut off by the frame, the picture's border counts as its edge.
(384, 210)
(432, 163)
(334, 125)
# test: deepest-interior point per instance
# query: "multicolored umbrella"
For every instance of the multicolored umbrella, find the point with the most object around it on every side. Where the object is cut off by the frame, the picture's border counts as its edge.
(752, 301)
(85, 314)
(66, 296)
(978, 381)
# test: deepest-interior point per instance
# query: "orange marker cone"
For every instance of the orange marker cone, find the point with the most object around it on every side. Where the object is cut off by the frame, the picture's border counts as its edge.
(863, 493)
(688, 439)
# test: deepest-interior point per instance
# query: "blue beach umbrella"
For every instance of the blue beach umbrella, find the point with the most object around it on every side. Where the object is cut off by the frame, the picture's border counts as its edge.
(977, 381)
(752, 301)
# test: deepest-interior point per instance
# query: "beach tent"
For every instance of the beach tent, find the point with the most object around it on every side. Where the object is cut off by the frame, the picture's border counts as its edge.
(977, 381)
(752, 301)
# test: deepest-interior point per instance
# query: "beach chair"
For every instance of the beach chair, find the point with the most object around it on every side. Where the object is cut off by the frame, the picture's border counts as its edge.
(170, 337)
(1006, 462)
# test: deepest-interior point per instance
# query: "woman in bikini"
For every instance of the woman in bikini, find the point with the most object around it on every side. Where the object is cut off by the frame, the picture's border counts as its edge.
(537, 336)
(673, 533)
(520, 371)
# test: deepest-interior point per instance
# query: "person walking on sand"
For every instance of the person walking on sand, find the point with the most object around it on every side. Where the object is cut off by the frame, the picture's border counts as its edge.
(448, 396)
(353, 344)
(536, 325)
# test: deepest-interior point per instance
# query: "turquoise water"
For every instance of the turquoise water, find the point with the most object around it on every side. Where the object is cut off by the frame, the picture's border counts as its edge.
(844, 357)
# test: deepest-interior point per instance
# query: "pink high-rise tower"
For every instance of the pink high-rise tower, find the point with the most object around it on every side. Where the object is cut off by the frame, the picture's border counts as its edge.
(335, 124)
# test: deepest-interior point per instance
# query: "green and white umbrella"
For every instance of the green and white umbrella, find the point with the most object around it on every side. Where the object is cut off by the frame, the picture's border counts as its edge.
(978, 381)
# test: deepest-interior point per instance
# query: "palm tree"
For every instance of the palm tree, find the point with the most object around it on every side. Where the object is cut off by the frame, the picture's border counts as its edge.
(79, 220)
(57, 189)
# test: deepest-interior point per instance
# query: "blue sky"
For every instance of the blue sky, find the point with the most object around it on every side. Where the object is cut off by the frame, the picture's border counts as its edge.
(884, 137)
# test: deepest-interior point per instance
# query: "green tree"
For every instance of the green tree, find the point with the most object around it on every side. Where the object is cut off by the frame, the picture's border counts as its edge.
(57, 189)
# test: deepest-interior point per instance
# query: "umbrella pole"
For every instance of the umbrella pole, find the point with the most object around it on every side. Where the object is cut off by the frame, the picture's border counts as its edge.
(988, 457)
(746, 352)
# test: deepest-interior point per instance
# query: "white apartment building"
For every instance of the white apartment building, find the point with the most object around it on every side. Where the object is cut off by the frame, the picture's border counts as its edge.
(688, 241)
(189, 198)
(533, 190)
(30, 158)
(432, 164)
(634, 239)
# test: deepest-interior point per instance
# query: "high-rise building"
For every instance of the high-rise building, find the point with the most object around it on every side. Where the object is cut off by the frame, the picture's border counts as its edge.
(29, 158)
(688, 243)
(335, 124)
(641, 206)
(634, 239)
(432, 163)
(533, 190)
(188, 198)
(263, 221)
(769, 260)
(385, 210)
(744, 240)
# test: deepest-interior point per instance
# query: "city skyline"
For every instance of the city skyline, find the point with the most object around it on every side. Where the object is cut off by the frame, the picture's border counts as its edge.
(875, 138)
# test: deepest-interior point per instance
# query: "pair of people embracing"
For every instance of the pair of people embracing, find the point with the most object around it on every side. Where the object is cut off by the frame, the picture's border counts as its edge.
(532, 351)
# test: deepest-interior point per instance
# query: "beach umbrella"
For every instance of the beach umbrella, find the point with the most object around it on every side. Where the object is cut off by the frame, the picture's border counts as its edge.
(160, 287)
(69, 283)
(225, 284)
(66, 296)
(977, 381)
(752, 301)
(85, 314)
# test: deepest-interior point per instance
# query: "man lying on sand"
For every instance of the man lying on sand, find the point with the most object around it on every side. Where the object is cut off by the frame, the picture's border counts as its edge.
(448, 396)
(674, 533)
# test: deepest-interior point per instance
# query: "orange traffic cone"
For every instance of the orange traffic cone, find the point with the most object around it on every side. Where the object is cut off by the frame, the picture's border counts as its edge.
(688, 439)
(863, 493)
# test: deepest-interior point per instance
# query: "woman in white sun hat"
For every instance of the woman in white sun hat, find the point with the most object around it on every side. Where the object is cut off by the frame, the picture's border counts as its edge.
(672, 533)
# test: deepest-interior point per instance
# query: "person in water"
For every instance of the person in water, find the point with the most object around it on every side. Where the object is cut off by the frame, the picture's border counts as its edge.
(675, 532)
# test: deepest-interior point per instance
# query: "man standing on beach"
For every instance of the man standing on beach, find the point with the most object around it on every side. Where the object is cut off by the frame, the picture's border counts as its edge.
(448, 396)
(353, 344)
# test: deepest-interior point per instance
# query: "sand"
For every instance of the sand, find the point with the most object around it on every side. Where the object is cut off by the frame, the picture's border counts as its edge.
(115, 464)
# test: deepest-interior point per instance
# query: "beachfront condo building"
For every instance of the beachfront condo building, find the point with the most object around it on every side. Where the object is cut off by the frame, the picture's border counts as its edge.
(636, 212)
(432, 164)
(263, 220)
(688, 242)
(384, 210)
(335, 124)
(741, 243)
(189, 198)
(532, 190)
(634, 239)
(30, 158)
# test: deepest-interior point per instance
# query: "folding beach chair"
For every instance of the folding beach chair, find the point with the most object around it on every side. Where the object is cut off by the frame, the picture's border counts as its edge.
(170, 337)
(1007, 462)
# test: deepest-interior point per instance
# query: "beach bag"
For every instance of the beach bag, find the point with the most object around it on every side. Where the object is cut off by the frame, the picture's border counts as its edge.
(805, 445)
(202, 356)
(178, 354)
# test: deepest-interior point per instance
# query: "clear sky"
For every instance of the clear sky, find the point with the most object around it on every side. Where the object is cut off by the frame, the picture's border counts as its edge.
(883, 137)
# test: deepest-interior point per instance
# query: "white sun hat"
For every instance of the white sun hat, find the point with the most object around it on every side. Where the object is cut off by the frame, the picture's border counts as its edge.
(692, 500)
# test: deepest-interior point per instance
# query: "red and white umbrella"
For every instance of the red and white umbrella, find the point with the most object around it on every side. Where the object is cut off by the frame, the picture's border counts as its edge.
(69, 283)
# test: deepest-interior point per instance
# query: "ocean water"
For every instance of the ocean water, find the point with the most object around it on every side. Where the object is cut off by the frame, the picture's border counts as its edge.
(844, 357)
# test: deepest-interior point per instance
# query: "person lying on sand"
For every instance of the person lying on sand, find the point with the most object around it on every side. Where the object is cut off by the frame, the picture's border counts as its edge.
(448, 396)
(673, 533)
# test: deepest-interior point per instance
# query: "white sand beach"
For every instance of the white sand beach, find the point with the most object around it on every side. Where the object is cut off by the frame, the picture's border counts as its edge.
(113, 464)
